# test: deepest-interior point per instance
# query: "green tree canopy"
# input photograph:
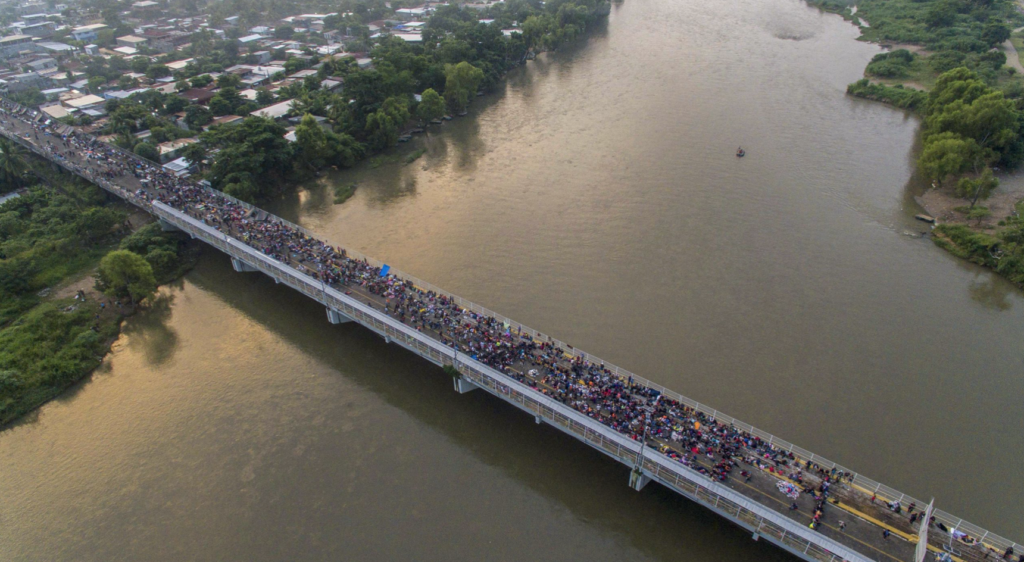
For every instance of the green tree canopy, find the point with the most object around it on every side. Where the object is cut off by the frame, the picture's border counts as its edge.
(431, 106)
(126, 274)
(311, 143)
(254, 158)
(977, 188)
(461, 82)
(13, 166)
(147, 151)
(196, 154)
(948, 154)
(196, 116)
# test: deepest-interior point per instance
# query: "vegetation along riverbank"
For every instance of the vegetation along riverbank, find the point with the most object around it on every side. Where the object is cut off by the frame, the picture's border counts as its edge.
(947, 61)
(73, 265)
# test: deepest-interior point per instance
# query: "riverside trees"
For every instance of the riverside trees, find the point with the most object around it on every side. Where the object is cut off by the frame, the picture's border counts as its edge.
(969, 127)
(123, 273)
(461, 82)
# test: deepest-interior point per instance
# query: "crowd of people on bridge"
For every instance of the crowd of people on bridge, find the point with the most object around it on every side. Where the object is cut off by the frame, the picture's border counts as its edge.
(689, 436)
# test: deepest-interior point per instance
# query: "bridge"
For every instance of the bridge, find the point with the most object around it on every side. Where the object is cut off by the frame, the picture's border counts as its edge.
(662, 436)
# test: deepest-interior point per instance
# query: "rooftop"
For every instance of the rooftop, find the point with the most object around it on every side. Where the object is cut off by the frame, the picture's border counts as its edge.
(275, 111)
(85, 101)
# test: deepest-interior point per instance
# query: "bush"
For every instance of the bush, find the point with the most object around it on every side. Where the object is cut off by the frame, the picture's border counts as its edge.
(147, 151)
(899, 96)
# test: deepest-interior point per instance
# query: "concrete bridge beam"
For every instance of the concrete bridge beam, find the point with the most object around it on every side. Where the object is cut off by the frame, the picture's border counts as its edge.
(463, 386)
(637, 480)
(167, 227)
(335, 317)
(242, 267)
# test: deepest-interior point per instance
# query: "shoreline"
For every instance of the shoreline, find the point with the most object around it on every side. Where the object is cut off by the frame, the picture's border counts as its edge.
(940, 202)
(76, 293)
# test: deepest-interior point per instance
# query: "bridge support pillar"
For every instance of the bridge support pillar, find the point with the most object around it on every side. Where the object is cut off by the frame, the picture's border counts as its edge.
(463, 386)
(637, 480)
(242, 267)
(167, 227)
(335, 317)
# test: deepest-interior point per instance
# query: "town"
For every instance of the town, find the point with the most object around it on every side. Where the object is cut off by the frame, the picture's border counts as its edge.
(166, 82)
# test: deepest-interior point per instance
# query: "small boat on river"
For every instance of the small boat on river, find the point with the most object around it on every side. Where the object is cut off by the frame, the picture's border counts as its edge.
(740, 153)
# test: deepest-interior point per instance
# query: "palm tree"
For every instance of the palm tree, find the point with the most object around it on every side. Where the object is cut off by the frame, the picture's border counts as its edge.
(13, 165)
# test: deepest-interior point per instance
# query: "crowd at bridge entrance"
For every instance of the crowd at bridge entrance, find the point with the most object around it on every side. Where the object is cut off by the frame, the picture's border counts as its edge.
(693, 438)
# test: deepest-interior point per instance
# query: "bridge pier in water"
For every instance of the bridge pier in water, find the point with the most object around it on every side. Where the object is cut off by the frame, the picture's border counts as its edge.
(463, 386)
(637, 480)
(735, 505)
(242, 267)
(335, 317)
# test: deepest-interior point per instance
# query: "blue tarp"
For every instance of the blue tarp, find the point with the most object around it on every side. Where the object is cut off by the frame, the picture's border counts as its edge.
(384, 270)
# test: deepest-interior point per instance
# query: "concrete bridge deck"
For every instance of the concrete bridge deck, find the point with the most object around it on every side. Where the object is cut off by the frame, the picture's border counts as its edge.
(754, 503)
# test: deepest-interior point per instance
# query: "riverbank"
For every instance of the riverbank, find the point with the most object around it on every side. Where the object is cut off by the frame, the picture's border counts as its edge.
(57, 325)
(928, 42)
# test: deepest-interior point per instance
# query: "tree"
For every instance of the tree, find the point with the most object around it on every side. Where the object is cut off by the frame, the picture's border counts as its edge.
(963, 104)
(157, 71)
(105, 38)
(978, 213)
(127, 82)
(461, 82)
(977, 188)
(97, 222)
(948, 154)
(13, 166)
(196, 116)
(196, 154)
(96, 83)
(284, 32)
(139, 64)
(201, 81)
(264, 97)
(126, 274)
(941, 14)
(254, 158)
(163, 261)
(147, 151)
(995, 33)
(174, 104)
(294, 64)
(381, 130)
(229, 81)
(226, 101)
(431, 106)
(312, 143)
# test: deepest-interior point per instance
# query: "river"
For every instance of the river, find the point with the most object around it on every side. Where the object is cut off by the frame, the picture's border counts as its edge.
(596, 198)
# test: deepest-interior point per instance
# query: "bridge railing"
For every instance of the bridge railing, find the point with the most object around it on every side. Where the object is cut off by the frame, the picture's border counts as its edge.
(673, 473)
(865, 484)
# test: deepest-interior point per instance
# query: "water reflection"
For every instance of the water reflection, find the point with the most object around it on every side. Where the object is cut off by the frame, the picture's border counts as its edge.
(151, 332)
(992, 291)
(657, 521)
(599, 200)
